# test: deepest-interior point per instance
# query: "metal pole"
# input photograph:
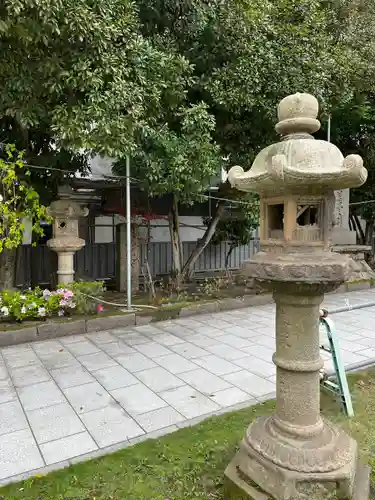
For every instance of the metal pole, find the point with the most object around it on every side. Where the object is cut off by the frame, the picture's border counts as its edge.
(351, 308)
(128, 238)
(329, 129)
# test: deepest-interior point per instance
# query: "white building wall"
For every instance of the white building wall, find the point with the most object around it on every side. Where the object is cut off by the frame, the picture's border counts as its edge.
(191, 229)
(28, 233)
(103, 229)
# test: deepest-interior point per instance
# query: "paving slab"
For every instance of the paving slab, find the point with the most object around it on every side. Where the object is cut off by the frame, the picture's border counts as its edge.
(111, 425)
(18, 454)
(79, 396)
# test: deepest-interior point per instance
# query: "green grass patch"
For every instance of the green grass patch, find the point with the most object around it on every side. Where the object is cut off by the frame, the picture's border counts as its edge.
(188, 464)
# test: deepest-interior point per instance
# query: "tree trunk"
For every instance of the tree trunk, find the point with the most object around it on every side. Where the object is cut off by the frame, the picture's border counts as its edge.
(204, 241)
(359, 230)
(369, 233)
(7, 269)
(135, 258)
(174, 230)
(228, 257)
(369, 240)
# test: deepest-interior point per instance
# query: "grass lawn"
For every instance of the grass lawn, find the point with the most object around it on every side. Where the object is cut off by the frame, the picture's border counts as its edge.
(189, 464)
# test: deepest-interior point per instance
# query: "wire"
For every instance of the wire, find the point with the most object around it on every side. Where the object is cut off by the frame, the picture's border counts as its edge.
(361, 203)
(225, 199)
(102, 301)
(123, 177)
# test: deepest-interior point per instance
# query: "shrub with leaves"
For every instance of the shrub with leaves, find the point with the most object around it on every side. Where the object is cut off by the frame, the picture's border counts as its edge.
(83, 293)
(40, 304)
(19, 201)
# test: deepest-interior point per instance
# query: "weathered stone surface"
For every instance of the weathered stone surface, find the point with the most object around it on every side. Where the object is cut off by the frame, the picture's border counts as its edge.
(228, 304)
(256, 300)
(142, 319)
(65, 241)
(13, 337)
(199, 309)
(296, 178)
(52, 329)
(109, 322)
(361, 490)
(359, 270)
(322, 267)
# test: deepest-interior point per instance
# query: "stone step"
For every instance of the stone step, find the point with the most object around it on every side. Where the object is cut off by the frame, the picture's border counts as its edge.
(362, 487)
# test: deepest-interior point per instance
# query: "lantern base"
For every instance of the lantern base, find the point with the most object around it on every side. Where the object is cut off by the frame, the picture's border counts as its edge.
(311, 465)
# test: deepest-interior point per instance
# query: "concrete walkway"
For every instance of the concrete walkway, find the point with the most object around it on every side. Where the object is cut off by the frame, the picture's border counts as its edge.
(77, 397)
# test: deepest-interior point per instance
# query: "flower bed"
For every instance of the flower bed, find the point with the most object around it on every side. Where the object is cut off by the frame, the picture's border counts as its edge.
(40, 304)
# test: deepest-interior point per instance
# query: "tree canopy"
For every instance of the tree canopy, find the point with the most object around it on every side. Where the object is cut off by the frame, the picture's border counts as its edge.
(249, 54)
(85, 68)
(183, 86)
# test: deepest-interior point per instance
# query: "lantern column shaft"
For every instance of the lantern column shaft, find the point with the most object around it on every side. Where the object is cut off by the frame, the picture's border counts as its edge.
(298, 363)
(65, 269)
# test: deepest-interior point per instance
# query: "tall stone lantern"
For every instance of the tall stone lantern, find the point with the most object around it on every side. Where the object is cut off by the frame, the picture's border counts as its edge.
(65, 241)
(295, 450)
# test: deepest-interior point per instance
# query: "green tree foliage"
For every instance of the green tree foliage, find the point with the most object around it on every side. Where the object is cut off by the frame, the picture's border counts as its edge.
(79, 74)
(353, 131)
(247, 55)
(179, 85)
(18, 201)
(179, 158)
(353, 122)
(237, 227)
(50, 164)
(84, 68)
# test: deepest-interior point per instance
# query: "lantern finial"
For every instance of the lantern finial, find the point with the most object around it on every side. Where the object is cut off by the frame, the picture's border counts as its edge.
(297, 114)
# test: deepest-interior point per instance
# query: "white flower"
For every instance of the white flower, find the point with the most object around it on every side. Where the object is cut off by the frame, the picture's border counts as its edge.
(1, 198)
(72, 305)
(41, 311)
(46, 294)
(23, 310)
(5, 311)
(23, 297)
(60, 312)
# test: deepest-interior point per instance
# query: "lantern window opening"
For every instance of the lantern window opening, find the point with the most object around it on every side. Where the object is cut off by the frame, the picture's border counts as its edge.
(308, 215)
(275, 218)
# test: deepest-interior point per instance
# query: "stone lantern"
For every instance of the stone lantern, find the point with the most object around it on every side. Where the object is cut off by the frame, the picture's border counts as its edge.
(295, 450)
(65, 241)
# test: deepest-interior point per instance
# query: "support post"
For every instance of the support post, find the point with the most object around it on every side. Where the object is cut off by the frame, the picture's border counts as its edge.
(128, 237)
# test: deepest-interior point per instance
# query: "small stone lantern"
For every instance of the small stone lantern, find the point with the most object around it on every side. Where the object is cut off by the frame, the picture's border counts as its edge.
(65, 241)
(295, 450)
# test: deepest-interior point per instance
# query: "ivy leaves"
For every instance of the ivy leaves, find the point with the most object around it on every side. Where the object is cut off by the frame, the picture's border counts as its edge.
(19, 201)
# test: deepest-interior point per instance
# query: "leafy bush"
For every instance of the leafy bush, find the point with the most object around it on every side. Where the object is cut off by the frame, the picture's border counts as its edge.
(83, 291)
(40, 304)
(211, 286)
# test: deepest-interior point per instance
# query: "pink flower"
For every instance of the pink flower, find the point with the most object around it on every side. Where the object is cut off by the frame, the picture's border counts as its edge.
(68, 294)
(99, 308)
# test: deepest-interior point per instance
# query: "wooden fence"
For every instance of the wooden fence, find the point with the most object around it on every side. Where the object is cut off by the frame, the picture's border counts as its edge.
(97, 261)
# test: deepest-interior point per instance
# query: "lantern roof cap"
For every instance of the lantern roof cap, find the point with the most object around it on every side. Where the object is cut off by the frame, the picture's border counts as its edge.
(66, 208)
(299, 163)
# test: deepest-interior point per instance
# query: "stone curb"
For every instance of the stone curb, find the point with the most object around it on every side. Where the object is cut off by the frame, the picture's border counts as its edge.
(50, 330)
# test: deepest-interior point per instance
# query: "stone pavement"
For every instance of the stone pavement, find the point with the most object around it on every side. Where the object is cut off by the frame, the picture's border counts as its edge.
(77, 397)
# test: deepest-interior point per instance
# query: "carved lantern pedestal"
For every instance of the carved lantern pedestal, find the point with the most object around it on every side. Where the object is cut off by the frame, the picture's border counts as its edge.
(65, 241)
(295, 452)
